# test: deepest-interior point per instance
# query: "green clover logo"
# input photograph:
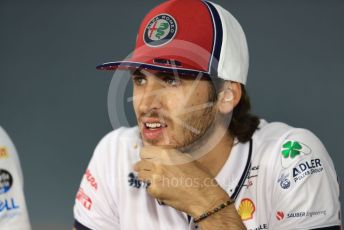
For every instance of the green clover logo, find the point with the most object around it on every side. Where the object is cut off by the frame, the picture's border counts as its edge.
(291, 149)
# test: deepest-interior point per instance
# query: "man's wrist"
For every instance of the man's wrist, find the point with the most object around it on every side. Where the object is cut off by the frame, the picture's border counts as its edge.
(208, 201)
(213, 211)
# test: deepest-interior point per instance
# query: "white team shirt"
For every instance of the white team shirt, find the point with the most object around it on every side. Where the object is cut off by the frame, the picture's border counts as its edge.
(13, 211)
(282, 179)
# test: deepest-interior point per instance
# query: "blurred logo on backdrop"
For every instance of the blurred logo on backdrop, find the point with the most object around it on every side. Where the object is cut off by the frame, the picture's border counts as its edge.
(3, 152)
(8, 204)
(6, 181)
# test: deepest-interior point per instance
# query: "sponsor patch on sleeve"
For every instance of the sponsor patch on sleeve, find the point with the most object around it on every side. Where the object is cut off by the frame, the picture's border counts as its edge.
(292, 151)
(91, 179)
(299, 172)
(84, 199)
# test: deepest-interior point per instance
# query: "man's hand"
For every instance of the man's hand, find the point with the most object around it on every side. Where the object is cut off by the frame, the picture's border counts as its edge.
(178, 180)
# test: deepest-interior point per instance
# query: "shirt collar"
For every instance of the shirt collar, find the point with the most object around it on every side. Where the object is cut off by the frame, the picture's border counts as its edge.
(232, 175)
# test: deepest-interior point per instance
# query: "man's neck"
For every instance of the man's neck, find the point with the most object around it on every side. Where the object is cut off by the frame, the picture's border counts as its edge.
(214, 160)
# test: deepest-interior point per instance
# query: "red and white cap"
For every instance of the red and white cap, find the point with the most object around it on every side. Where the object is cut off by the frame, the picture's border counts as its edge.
(190, 37)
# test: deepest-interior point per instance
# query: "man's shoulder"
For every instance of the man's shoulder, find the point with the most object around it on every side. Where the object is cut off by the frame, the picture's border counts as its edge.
(277, 141)
(275, 131)
(268, 131)
(122, 137)
(123, 133)
(116, 143)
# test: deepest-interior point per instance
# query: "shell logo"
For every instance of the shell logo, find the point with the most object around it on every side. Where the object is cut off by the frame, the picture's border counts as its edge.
(246, 209)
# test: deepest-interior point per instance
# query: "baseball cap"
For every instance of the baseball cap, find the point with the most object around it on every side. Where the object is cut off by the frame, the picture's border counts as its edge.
(190, 37)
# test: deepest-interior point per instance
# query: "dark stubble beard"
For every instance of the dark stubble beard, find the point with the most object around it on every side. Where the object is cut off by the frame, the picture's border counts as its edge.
(204, 124)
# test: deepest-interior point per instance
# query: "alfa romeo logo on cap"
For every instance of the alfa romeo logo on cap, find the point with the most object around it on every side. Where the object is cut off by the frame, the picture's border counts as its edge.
(160, 30)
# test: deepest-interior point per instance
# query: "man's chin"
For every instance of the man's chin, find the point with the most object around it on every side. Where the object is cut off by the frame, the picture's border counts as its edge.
(159, 142)
(155, 141)
(151, 142)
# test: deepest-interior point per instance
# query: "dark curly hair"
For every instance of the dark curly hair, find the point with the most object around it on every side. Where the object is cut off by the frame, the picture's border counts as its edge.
(243, 123)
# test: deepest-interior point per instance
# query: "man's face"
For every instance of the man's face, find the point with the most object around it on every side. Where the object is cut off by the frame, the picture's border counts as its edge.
(171, 110)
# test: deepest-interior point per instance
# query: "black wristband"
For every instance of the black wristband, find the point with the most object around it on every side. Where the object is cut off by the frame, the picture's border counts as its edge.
(215, 210)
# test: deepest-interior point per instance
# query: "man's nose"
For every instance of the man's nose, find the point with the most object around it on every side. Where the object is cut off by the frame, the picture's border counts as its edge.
(151, 99)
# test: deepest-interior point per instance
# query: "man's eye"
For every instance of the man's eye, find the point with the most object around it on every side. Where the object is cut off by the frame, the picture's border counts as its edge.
(171, 80)
(139, 80)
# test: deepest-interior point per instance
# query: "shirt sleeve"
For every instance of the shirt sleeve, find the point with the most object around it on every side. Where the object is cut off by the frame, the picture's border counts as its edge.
(13, 210)
(95, 207)
(305, 192)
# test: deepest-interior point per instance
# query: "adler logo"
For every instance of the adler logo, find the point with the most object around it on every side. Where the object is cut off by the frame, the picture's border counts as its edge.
(160, 30)
(307, 168)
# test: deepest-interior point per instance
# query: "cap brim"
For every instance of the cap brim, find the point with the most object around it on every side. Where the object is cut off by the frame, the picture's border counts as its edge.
(131, 65)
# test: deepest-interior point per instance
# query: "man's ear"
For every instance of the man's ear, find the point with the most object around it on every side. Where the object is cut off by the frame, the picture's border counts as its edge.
(229, 97)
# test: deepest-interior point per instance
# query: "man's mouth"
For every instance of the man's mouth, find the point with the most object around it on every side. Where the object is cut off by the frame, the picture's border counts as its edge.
(154, 125)
(153, 129)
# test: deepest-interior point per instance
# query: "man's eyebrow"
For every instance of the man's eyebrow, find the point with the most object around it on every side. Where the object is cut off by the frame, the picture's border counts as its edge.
(136, 72)
(161, 74)
(166, 74)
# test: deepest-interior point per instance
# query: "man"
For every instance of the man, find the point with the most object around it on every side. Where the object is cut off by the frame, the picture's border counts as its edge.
(198, 158)
(13, 213)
